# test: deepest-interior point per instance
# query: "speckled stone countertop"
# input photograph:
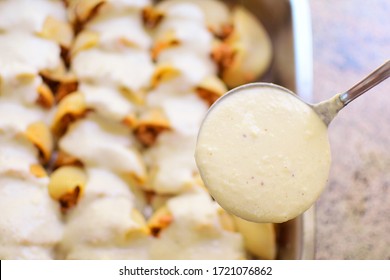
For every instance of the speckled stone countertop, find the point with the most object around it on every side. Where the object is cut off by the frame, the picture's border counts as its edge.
(350, 39)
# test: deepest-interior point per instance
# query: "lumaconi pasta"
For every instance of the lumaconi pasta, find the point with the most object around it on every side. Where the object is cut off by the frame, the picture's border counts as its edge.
(100, 106)
(31, 224)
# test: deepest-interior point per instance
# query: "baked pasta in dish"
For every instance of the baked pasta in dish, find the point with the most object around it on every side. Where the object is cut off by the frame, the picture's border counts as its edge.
(31, 224)
(100, 106)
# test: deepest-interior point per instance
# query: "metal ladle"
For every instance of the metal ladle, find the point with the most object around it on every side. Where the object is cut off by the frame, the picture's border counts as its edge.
(210, 136)
(328, 109)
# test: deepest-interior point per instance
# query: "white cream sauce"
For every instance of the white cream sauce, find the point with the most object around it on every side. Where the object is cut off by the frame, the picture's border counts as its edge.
(215, 13)
(103, 183)
(195, 232)
(90, 140)
(106, 101)
(17, 154)
(20, 15)
(22, 90)
(186, 24)
(138, 249)
(185, 111)
(192, 67)
(15, 119)
(110, 215)
(112, 30)
(171, 159)
(29, 218)
(119, 5)
(98, 229)
(131, 69)
(26, 252)
(184, 11)
(27, 53)
(263, 154)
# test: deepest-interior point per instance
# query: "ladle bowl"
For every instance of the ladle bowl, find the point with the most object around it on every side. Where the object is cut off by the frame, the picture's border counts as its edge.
(264, 155)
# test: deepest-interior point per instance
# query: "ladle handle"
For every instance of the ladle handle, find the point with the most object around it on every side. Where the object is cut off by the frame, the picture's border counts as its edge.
(380, 74)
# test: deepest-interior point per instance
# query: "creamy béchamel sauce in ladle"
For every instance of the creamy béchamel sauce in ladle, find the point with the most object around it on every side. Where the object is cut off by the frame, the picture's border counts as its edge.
(264, 154)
